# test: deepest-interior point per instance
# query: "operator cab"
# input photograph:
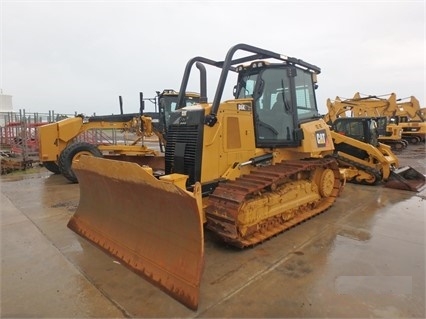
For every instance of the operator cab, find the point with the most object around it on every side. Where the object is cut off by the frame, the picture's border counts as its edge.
(283, 97)
(364, 129)
(168, 101)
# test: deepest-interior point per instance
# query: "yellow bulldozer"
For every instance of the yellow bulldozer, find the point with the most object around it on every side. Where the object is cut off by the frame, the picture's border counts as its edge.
(248, 168)
(120, 137)
(245, 169)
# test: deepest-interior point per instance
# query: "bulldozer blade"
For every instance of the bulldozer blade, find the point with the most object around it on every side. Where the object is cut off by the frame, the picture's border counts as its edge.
(406, 178)
(153, 227)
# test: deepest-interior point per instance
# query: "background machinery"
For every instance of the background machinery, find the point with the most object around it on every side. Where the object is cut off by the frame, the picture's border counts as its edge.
(404, 117)
(389, 132)
(411, 118)
(363, 140)
(367, 161)
(121, 137)
(247, 168)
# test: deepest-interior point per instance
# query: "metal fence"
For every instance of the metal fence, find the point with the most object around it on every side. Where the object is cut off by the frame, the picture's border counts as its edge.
(19, 131)
(19, 137)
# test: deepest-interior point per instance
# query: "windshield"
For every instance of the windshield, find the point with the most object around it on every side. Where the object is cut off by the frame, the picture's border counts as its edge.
(282, 95)
(274, 114)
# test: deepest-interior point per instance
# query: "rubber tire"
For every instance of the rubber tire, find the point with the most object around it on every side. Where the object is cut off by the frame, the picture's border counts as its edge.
(71, 153)
(52, 166)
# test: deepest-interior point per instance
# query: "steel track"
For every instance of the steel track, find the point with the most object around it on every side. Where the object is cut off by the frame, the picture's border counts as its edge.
(228, 198)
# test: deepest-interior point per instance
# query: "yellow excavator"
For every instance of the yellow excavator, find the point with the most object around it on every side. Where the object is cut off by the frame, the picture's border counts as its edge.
(406, 118)
(246, 169)
(411, 118)
(389, 132)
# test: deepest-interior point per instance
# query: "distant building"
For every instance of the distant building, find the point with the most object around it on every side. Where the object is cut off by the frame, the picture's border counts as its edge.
(6, 107)
(6, 103)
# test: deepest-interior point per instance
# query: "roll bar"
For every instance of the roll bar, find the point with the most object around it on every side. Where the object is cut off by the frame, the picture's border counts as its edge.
(229, 65)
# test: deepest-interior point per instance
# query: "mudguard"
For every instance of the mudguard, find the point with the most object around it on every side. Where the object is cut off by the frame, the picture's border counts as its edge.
(153, 227)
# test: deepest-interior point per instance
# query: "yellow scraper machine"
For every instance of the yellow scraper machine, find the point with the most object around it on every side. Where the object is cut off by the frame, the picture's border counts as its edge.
(118, 136)
(246, 169)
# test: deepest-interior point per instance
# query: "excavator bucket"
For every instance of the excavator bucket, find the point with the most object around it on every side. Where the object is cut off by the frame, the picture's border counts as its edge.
(406, 178)
(153, 227)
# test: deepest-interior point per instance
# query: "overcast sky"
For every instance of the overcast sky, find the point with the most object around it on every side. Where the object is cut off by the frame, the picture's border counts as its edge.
(79, 56)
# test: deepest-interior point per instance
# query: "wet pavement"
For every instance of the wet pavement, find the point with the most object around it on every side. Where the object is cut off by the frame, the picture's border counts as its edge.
(364, 257)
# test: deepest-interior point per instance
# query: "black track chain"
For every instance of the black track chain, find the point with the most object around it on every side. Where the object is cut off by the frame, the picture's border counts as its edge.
(375, 172)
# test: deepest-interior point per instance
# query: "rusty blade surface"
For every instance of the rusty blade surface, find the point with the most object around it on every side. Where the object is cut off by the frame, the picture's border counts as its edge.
(152, 226)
